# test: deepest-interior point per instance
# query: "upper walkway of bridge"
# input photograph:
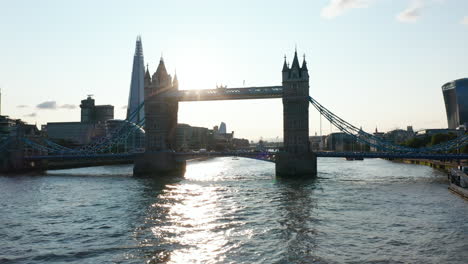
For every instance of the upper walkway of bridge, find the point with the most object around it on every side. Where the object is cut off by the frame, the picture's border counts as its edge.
(263, 92)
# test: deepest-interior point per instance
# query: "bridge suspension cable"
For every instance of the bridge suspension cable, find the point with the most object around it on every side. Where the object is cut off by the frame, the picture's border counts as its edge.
(378, 142)
(102, 144)
(4, 144)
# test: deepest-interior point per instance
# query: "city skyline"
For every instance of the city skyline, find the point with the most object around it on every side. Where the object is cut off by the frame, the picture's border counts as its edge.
(404, 47)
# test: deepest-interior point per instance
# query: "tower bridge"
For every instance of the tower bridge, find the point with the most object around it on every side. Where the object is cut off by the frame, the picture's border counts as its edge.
(160, 107)
(162, 96)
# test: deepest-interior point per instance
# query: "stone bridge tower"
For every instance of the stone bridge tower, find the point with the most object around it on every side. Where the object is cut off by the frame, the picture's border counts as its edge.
(297, 158)
(160, 125)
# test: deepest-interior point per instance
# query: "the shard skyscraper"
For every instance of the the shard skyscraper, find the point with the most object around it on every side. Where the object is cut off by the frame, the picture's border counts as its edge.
(137, 84)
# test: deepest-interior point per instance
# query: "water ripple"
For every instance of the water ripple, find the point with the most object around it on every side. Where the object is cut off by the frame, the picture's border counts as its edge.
(234, 211)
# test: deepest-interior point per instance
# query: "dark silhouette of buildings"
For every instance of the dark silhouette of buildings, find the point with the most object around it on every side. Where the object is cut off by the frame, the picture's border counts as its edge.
(91, 113)
(92, 125)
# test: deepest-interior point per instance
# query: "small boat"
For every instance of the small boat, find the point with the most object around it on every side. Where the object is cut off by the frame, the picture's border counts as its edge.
(355, 158)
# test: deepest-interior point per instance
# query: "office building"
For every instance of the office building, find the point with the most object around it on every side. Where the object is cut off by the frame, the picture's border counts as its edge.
(137, 85)
(456, 102)
(92, 125)
(222, 128)
(91, 113)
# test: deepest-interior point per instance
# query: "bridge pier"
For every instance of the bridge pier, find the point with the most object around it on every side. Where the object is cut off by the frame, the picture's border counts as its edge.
(156, 164)
(296, 165)
(13, 159)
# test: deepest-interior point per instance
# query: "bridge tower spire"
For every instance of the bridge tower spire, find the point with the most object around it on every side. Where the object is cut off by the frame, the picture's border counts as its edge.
(296, 159)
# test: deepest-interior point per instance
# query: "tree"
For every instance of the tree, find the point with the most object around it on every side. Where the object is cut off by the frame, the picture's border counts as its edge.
(441, 138)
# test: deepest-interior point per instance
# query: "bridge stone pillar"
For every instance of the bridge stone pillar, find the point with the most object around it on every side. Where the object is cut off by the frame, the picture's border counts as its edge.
(296, 159)
(160, 126)
(12, 159)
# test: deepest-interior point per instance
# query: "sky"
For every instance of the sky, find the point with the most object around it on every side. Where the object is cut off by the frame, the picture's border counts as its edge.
(374, 63)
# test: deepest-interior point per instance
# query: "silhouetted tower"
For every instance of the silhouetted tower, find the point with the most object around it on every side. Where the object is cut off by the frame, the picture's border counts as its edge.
(136, 96)
(296, 160)
(160, 125)
(87, 110)
(296, 107)
(161, 112)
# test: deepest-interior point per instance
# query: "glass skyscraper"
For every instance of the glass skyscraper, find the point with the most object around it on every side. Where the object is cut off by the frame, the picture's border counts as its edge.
(137, 85)
(456, 102)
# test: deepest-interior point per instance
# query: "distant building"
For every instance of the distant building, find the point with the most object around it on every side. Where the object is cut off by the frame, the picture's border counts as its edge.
(91, 113)
(196, 138)
(222, 128)
(191, 138)
(374, 142)
(137, 85)
(433, 131)
(6, 126)
(222, 141)
(92, 125)
(183, 137)
(340, 142)
(456, 102)
(317, 142)
(399, 136)
(240, 143)
(74, 133)
(10, 126)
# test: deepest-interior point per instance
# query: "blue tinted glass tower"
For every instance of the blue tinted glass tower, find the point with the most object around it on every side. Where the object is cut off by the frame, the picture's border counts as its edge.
(137, 85)
(456, 102)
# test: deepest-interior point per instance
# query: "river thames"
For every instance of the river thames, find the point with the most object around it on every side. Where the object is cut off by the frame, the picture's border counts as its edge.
(229, 210)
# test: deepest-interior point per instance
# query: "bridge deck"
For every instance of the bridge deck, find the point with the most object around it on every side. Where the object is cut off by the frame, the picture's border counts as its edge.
(388, 155)
(265, 92)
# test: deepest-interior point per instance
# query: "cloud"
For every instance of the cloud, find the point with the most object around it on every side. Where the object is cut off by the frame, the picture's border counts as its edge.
(47, 105)
(22, 106)
(464, 21)
(339, 7)
(68, 106)
(412, 13)
(31, 115)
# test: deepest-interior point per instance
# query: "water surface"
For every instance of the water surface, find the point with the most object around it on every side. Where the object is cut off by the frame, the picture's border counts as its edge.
(234, 211)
